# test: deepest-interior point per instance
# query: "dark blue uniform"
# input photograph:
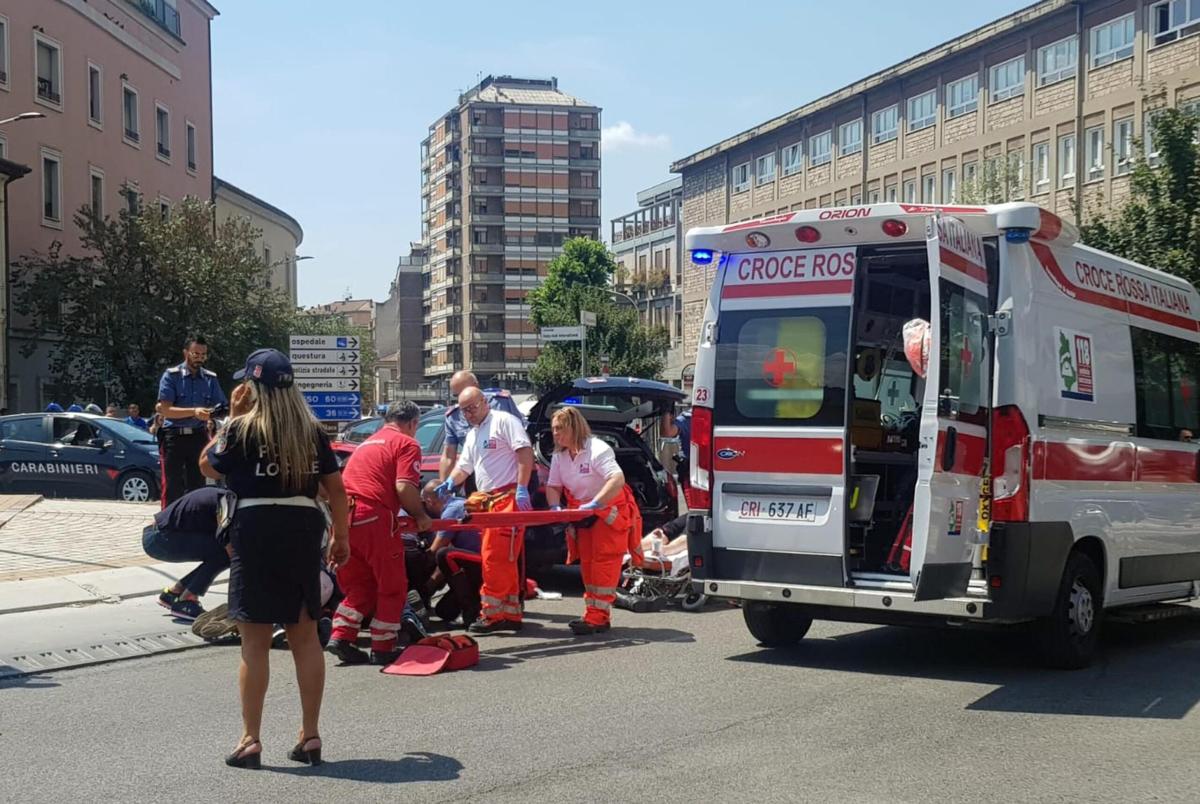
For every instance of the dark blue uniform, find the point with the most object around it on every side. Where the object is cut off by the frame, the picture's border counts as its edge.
(183, 440)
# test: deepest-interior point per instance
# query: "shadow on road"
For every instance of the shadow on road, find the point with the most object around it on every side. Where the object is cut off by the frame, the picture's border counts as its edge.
(562, 642)
(8, 679)
(417, 766)
(1144, 671)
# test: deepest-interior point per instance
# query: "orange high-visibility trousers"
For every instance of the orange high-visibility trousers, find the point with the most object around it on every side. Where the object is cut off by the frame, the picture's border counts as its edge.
(374, 580)
(500, 595)
(602, 548)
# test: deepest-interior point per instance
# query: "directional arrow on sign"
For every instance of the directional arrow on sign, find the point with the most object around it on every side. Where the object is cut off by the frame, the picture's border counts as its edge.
(324, 356)
(303, 370)
(314, 384)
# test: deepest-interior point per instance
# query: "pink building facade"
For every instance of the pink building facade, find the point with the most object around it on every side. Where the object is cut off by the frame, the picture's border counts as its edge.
(126, 90)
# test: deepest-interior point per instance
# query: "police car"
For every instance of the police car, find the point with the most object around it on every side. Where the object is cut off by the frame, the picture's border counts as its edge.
(77, 455)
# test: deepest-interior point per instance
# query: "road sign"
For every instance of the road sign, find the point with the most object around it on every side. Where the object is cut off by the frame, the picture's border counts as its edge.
(562, 333)
(323, 342)
(343, 399)
(587, 318)
(343, 370)
(335, 414)
(310, 384)
(324, 356)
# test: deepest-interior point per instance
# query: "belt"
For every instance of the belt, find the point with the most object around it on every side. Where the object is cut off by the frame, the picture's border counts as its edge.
(291, 502)
(178, 431)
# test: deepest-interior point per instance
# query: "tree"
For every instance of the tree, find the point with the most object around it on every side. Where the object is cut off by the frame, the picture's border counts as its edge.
(1160, 223)
(119, 312)
(578, 279)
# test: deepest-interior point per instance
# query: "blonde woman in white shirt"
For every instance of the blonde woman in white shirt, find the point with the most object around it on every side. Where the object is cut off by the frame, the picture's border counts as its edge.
(585, 470)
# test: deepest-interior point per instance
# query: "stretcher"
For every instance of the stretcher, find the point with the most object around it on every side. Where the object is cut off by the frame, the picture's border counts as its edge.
(502, 519)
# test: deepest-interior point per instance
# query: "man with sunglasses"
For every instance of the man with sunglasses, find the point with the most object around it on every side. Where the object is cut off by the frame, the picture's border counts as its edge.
(187, 394)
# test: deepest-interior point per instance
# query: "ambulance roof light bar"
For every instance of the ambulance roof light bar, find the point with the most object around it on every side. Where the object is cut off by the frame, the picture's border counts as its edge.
(702, 256)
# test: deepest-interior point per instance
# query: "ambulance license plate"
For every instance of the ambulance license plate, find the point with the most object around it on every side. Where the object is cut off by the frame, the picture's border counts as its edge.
(797, 509)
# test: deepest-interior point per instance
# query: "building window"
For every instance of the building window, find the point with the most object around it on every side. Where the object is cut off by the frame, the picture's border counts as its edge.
(850, 138)
(1123, 145)
(1041, 167)
(129, 105)
(95, 97)
(190, 136)
(1066, 160)
(884, 124)
(1094, 139)
(133, 198)
(910, 191)
(1015, 176)
(928, 187)
(479, 235)
(922, 110)
(164, 215)
(97, 192)
(793, 159)
(1112, 41)
(962, 96)
(890, 193)
(1148, 139)
(1008, 79)
(1173, 19)
(1057, 61)
(949, 186)
(49, 71)
(741, 177)
(162, 131)
(3, 148)
(820, 148)
(765, 169)
(51, 189)
(3, 51)
(970, 170)
(873, 197)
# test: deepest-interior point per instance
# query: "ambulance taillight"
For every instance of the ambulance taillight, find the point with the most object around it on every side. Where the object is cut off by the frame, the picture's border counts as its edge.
(702, 458)
(1010, 465)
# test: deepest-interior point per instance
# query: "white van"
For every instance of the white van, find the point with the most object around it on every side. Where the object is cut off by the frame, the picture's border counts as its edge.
(1044, 464)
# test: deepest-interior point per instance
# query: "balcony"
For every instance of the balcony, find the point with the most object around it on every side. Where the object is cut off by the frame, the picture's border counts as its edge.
(584, 220)
(450, 165)
(487, 217)
(482, 130)
(445, 254)
(494, 277)
(580, 162)
(487, 307)
(47, 91)
(445, 311)
(483, 160)
(487, 248)
(584, 192)
(444, 340)
(160, 12)
(488, 336)
(584, 133)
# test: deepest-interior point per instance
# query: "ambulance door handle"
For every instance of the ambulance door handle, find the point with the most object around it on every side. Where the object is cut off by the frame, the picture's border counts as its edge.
(951, 447)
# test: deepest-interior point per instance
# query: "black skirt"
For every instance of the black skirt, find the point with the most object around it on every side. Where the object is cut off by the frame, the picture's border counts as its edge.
(275, 570)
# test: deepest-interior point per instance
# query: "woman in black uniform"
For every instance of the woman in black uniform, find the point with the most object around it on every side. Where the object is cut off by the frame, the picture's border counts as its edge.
(274, 457)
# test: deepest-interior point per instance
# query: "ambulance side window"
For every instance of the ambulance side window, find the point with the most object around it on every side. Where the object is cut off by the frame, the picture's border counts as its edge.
(964, 358)
(1165, 372)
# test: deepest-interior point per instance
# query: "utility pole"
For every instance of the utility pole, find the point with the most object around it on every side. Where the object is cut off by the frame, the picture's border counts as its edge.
(586, 319)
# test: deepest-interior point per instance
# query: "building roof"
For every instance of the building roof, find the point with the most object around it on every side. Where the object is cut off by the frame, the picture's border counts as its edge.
(221, 186)
(526, 91)
(980, 36)
(347, 306)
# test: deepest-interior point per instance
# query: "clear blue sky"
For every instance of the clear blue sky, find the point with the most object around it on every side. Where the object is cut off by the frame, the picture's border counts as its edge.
(319, 107)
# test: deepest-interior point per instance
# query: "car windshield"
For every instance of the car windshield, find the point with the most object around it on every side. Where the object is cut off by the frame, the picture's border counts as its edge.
(428, 429)
(362, 431)
(126, 431)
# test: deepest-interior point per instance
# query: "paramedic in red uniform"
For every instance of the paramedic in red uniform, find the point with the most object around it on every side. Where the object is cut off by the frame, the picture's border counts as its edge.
(585, 468)
(498, 453)
(382, 476)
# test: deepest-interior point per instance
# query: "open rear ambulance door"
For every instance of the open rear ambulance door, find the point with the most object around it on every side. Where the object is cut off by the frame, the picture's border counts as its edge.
(954, 414)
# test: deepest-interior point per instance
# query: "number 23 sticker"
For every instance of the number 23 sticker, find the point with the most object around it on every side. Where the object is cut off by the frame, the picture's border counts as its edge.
(701, 394)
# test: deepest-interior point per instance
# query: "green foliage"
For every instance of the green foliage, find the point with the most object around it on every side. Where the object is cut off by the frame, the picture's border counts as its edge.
(1159, 225)
(119, 312)
(577, 280)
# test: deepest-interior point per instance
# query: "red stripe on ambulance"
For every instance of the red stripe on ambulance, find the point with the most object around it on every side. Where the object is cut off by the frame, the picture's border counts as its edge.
(1165, 465)
(796, 456)
(813, 288)
(963, 265)
(737, 227)
(969, 452)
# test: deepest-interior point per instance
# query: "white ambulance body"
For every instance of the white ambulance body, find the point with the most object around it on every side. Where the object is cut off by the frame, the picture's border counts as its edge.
(1062, 377)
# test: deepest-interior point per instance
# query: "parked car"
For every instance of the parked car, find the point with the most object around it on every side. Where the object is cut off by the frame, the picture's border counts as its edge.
(430, 435)
(77, 455)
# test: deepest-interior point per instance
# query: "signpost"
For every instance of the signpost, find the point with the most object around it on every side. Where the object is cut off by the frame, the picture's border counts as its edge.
(328, 370)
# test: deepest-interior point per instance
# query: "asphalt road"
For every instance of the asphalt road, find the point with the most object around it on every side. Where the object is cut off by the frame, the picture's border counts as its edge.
(666, 707)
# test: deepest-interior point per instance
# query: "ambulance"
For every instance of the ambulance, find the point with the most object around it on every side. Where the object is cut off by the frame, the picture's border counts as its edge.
(908, 414)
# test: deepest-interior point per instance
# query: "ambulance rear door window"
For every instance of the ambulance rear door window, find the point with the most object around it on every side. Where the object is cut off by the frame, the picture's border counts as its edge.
(785, 367)
(1165, 374)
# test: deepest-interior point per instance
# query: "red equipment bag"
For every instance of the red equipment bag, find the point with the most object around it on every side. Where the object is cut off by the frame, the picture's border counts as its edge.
(434, 654)
(900, 556)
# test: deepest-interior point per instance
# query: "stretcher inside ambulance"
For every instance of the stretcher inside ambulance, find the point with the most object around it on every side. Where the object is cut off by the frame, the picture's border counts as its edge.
(904, 412)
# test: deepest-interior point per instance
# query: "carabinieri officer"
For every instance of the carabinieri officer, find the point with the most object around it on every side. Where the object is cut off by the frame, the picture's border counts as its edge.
(187, 394)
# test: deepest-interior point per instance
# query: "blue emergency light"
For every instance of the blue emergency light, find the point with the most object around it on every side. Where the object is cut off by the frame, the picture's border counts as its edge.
(1016, 235)
(573, 400)
(702, 256)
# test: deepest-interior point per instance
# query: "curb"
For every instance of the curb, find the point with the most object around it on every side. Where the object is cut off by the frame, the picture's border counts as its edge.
(87, 588)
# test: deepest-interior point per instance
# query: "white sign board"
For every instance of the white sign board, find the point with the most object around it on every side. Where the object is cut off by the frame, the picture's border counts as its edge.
(327, 384)
(562, 333)
(324, 356)
(587, 318)
(296, 342)
(305, 370)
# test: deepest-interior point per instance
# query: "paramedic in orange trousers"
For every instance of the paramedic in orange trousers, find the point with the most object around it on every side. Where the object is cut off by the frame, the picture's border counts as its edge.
(383, 475)
(498, 453)
(586, 469)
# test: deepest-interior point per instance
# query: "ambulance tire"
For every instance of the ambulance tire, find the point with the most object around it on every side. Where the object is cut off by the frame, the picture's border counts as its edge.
(1067, 639)
(776, 626)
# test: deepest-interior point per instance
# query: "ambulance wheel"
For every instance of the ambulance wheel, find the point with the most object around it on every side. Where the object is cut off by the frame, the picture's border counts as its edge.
(1068, 637)
(136, 487)
(775, 626)
(693, 601)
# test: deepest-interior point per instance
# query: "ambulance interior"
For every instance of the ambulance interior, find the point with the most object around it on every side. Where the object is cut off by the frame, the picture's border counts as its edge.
(892, 289)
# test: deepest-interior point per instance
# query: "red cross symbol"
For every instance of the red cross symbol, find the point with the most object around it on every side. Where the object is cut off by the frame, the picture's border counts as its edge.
(780, 366)
(966, 356)
(1185, 390)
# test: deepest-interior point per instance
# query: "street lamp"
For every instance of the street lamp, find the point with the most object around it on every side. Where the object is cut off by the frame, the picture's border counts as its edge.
(22, 116)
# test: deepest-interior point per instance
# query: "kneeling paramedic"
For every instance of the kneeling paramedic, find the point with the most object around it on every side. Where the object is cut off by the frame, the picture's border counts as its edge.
(382, 476)
(585, 468)
(498, 453)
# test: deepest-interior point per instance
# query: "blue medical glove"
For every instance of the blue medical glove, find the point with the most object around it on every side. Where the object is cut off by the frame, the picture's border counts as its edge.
(445, 488)
(592, 506)
(523, 501)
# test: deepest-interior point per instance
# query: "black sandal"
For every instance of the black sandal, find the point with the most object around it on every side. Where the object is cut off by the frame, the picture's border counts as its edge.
(241, 759)
(311, 756)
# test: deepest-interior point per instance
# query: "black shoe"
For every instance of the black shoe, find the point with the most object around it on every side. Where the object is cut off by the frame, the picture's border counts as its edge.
(346, 653)
(279, 637)
(482, 626)
(384, 658)
(242, 759)
(310, 757)
(583, 628)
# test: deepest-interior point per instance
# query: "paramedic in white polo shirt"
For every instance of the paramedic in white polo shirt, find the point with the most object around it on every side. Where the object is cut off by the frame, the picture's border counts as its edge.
(497, 451)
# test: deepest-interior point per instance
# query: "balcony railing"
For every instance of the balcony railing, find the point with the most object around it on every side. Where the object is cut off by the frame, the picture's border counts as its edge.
(161, 12)
(45, 91)
(165, 152)
(131, 135)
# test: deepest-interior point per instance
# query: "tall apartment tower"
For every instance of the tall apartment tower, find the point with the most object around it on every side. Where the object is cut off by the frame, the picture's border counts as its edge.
(507, 175)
